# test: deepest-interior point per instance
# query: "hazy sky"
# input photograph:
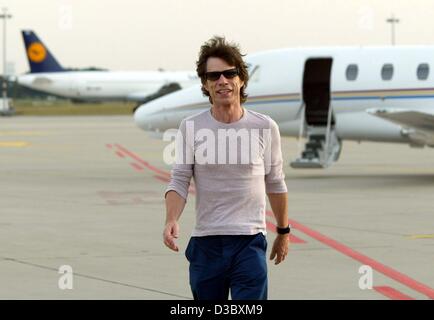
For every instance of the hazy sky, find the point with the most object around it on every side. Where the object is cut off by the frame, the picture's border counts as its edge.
(146, 35)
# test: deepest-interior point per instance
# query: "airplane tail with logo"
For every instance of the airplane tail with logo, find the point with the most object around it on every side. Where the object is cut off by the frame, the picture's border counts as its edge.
(39, 57)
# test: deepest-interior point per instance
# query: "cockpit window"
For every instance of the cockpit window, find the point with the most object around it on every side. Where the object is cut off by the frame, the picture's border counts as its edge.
(254, 72)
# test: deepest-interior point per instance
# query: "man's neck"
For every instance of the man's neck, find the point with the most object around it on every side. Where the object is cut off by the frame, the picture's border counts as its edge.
(227, 114)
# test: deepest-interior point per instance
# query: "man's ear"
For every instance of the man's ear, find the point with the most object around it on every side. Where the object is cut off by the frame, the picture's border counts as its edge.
(204, 88)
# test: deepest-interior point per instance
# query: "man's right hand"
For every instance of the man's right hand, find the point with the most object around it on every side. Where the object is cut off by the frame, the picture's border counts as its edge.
(171, 232)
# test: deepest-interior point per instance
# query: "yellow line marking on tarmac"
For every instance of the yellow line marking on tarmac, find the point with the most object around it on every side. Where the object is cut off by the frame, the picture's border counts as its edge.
(14, 144)
(421, 236)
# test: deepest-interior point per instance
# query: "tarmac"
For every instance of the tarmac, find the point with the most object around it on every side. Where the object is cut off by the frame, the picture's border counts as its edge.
(87, 193)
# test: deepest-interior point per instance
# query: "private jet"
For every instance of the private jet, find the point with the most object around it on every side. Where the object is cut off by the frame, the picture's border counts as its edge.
(326, 96)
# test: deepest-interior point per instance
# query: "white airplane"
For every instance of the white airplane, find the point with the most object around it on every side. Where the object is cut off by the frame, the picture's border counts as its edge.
(327, 95)
(47, 75)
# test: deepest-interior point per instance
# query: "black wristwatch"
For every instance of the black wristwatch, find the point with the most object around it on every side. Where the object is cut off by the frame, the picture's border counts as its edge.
(283, 230)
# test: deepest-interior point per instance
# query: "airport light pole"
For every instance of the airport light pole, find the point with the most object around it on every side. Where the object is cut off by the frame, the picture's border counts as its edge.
(392, 22)
(5, 108)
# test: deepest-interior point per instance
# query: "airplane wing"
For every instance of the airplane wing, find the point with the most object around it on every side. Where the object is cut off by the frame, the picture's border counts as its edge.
(418, 125)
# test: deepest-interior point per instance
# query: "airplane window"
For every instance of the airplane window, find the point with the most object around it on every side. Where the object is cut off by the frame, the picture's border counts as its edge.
(387, 71)
(352, 72)
(423, 71)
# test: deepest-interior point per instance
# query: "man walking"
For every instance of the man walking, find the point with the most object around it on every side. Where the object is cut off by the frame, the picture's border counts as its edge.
(227, 249)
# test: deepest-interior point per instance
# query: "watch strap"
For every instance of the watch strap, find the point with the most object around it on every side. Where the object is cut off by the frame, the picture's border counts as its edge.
(283, 230)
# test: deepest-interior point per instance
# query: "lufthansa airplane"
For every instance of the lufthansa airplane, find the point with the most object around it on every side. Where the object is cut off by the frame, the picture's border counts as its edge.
(327, 95)
(47, 75)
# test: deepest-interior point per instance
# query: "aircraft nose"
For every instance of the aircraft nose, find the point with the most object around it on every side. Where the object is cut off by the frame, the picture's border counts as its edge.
(145, 118)
(140, 117)
(166, 112)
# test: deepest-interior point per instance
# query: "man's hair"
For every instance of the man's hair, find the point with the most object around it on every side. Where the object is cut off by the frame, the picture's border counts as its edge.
(218, 47)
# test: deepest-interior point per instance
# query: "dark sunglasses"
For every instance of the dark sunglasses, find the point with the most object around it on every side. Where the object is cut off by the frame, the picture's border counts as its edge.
(215, 75)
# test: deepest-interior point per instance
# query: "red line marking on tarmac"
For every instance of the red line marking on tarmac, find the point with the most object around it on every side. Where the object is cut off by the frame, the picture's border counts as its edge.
(294, 239)
(141, 161)
(136, 166)
(161, 175)
(164, 179)
(392, 293)
(120, 154)
(108, 145)
(387, 271)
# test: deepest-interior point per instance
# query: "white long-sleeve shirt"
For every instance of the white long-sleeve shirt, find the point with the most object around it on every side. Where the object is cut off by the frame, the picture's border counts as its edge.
(234, 165)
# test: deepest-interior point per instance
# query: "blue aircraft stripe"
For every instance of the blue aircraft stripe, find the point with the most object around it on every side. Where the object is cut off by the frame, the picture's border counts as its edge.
(270, 101)
(383, 98)
(343, 99)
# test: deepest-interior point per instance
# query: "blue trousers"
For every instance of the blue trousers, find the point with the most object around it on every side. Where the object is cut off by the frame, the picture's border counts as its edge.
(230, 262)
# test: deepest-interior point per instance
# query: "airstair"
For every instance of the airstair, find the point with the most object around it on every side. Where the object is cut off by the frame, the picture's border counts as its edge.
(322, 147)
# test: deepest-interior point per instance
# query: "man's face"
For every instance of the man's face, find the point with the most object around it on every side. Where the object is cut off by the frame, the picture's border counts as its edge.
(223, 91)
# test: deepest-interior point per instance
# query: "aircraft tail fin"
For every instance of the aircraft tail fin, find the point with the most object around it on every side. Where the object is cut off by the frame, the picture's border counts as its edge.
(39, 57)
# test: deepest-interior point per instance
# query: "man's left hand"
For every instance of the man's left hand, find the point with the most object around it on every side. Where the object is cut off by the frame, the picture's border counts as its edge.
(280, 248)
